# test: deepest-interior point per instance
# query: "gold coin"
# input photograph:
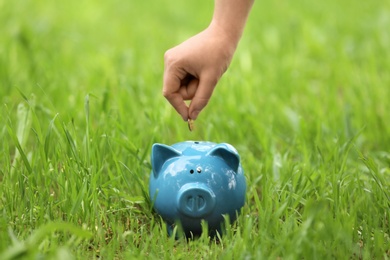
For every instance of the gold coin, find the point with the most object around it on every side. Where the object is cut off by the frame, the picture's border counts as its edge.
(190, 124)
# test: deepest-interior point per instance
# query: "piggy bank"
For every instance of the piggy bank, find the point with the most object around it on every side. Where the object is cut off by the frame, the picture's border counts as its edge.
(194, 181)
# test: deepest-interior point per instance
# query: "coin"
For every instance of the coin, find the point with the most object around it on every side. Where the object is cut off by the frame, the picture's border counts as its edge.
(190, 124)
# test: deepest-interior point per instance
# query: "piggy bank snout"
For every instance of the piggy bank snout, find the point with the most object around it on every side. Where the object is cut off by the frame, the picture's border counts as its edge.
(195, 200)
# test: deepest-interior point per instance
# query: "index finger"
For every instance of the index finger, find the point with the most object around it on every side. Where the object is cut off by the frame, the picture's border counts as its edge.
(171, 91)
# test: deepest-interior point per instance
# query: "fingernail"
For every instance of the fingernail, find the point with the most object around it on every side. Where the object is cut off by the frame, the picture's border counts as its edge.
(195, 114)
(185, 117)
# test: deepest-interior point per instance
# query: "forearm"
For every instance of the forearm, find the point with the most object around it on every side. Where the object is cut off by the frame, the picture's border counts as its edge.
(231, 16)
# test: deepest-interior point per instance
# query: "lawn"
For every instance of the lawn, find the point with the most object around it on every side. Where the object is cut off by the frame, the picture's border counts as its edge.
(305, 102)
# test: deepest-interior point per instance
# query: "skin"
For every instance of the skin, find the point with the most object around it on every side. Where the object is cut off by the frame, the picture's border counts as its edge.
(194, 67)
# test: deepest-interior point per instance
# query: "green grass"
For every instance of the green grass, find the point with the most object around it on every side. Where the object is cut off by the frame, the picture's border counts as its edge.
(305, 102)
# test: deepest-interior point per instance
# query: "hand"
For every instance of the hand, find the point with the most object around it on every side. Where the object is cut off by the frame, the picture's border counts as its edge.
(193, 69)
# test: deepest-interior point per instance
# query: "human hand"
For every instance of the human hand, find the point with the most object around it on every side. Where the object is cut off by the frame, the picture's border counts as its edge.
(193, 69)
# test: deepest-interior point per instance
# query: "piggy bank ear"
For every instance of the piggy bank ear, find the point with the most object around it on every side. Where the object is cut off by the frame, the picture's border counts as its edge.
(160, 154)
(228, 154)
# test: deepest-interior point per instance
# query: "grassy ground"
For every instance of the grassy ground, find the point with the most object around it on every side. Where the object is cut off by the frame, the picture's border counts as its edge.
(305, 102)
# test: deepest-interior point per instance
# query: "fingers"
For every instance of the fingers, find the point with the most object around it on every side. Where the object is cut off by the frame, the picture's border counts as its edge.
(198, 91)
(171, 91)
(189, 88)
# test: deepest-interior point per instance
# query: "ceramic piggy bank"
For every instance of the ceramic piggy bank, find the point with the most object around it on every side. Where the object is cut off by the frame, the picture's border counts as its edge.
(195, 181)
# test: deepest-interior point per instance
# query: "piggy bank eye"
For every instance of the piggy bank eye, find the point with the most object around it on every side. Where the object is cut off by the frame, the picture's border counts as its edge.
(198, 170)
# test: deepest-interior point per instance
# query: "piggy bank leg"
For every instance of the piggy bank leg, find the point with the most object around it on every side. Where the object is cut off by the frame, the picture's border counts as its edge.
(173, 230)
(177, 231)
(170, 229)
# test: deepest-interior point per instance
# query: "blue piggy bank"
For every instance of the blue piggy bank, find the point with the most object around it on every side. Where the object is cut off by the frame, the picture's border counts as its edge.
(195, 181)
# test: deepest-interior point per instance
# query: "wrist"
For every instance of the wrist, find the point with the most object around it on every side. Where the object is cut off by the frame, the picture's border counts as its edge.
(230, 16)
(229, 33)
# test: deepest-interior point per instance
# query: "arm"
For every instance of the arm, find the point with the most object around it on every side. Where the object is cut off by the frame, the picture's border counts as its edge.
(193, 68)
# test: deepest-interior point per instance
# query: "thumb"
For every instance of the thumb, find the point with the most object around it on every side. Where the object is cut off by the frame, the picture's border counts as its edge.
(202, 96)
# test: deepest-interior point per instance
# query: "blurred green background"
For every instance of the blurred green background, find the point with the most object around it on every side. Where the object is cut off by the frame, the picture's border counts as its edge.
(302, 58)
(305, 102)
